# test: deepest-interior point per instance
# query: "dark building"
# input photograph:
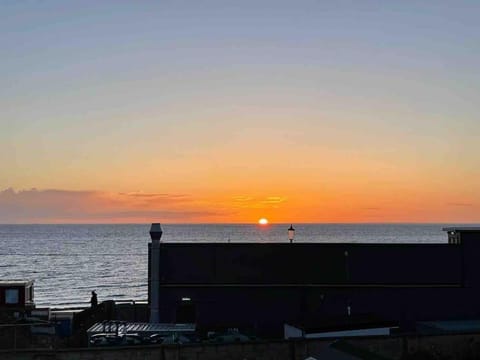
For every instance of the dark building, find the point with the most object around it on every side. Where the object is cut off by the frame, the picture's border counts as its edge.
(258, 287)
(16, 296)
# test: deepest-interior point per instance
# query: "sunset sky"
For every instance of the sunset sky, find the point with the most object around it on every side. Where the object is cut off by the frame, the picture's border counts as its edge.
(229, 111)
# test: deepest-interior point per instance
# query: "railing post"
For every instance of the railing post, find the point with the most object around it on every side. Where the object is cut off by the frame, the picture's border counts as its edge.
(14, 338)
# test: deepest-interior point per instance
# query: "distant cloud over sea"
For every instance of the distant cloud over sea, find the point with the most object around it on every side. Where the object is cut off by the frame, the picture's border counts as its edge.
(54, 205)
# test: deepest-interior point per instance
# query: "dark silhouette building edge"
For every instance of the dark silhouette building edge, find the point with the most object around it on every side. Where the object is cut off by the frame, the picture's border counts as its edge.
(259, 287)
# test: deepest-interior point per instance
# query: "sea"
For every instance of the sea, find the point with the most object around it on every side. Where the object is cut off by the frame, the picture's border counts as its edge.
(67, 262)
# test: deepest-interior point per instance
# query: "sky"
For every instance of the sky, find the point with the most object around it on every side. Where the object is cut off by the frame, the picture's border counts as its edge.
(229, 111)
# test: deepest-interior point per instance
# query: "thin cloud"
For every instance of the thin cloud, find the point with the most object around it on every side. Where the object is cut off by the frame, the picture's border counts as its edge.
(248, 202)
(155, 195)
(273, 200)
(54, 205)
(242, 198)
(461, 204)
(179, 215)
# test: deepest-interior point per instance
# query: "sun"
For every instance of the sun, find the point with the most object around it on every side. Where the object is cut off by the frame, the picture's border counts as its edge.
(263, 221)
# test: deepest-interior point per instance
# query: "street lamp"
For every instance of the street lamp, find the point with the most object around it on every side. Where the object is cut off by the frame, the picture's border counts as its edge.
(291, 233)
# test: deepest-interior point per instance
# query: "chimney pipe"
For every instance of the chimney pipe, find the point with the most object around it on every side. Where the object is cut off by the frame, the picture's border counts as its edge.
(155, 234)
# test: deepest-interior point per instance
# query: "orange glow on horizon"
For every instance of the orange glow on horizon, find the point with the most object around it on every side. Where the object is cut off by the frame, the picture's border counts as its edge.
(356, 205)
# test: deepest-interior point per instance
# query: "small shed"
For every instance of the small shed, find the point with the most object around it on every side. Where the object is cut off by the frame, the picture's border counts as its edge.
(16, 294)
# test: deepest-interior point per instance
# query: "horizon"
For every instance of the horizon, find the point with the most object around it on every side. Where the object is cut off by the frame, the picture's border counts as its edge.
(262, 225)
(219, 112)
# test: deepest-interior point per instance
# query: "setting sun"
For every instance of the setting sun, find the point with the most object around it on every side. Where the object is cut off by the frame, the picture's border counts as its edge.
(263, 221)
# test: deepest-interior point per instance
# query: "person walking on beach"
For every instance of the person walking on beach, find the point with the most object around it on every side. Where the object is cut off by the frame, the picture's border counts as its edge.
(94, 300)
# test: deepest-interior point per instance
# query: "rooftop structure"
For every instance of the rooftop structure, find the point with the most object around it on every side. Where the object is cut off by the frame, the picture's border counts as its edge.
(122, 327)
(454, 233)
(462, 229)
(126, 333)
(16, 294)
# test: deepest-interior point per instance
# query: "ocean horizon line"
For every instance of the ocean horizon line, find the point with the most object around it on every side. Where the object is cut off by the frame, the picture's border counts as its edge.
(247, 223)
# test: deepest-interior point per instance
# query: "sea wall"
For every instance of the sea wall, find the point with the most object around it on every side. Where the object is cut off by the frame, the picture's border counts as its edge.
(259, 351)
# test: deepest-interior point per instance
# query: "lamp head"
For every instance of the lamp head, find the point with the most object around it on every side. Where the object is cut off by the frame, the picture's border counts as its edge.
(291, 233)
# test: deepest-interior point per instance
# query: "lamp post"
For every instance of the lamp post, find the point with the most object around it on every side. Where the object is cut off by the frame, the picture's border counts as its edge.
(291, 233)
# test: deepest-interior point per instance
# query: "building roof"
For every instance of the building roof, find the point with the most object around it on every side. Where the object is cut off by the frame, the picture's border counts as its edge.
(462, 229)
(332, 354)
(144, 328)
(450, 326)
(15, 282)
(344, 323)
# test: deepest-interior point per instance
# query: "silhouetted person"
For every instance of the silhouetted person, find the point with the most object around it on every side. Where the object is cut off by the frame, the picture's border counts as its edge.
(94, 300)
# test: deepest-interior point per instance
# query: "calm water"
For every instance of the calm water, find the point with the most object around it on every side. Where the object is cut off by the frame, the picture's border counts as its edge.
(68, 261)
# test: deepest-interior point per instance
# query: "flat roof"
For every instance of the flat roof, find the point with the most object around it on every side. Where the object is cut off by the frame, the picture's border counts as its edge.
(462, 228)
(16, 282)
(149, 328)
(454, 325)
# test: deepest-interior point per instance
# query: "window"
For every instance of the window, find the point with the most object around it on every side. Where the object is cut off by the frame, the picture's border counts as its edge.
(11, 296)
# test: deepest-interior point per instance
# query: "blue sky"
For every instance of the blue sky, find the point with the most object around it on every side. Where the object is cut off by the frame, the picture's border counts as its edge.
(177, 96)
